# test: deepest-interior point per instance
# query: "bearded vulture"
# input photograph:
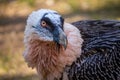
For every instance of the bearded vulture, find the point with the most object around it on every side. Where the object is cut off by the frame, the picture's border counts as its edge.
(82, 50)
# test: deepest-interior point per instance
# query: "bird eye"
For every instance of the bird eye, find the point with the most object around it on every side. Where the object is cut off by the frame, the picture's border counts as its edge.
(43, 24)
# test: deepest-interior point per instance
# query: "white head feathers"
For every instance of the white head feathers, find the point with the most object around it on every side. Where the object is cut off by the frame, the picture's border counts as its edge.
(35, 16)
(34, 21)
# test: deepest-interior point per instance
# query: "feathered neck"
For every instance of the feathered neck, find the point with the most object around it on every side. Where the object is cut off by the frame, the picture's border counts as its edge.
(45, 57)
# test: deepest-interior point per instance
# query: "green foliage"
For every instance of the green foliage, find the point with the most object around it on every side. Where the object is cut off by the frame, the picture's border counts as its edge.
(74, 4)
(5, 59)
(94, 4)
(29, 2)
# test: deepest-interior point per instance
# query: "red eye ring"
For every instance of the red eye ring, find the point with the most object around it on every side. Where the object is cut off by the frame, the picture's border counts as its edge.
(43, 24)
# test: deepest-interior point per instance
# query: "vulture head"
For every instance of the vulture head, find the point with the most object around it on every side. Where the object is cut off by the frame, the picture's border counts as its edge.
(50, 43)
(47, 25)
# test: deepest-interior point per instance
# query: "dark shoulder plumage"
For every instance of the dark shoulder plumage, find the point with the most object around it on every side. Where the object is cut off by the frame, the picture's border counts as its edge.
(100, 58)
(96, 29)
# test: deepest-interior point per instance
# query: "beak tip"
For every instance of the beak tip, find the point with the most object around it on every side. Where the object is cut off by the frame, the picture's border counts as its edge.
(65, 47)
(65, 42)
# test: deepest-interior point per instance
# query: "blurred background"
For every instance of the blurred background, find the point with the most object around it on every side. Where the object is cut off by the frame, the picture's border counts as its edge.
(13, 15)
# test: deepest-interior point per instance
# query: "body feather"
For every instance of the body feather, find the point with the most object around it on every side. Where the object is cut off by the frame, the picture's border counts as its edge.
(100, 58)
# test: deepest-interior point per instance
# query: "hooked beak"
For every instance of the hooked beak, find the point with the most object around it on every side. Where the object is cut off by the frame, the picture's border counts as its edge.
(60, 37)
(63, 40)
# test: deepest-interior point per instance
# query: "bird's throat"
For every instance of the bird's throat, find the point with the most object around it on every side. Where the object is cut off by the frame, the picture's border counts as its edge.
(47, 58)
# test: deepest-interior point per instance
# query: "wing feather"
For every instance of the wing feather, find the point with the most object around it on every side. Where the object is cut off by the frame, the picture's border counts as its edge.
(100, 59)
